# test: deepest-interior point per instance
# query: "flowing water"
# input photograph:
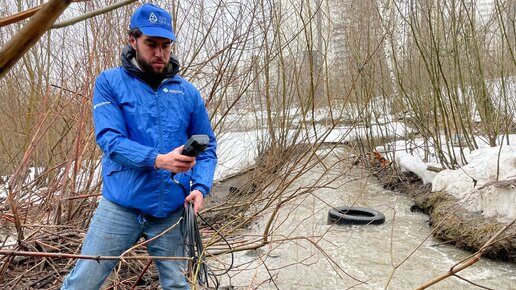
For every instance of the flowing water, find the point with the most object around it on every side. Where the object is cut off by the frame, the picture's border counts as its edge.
(399, 254)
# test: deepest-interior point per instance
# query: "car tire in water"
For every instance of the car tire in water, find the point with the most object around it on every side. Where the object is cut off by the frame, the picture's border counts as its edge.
(346, 215)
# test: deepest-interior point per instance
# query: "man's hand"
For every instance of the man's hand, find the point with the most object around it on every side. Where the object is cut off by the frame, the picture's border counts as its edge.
(174, 161)
(196, 198)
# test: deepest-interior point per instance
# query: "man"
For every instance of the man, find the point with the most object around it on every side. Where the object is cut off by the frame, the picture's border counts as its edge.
(143, 113)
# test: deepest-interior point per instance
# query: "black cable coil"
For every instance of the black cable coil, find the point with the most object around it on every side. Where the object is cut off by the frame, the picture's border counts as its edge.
(194, 247)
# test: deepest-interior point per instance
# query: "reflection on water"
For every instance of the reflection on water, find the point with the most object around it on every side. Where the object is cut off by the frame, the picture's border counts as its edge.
(399, 254)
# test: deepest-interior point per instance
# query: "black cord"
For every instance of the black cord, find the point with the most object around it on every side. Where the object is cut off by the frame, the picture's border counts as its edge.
(194, 247)
(225, 241)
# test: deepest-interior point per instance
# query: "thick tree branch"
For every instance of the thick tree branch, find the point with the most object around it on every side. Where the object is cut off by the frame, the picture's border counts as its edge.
(30, 34)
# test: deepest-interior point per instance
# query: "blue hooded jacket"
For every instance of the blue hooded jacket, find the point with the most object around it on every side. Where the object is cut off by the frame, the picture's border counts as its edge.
(134, 123)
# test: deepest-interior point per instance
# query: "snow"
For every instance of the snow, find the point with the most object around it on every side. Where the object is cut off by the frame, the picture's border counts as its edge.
(478, 184)
(235, 152)
(413, 164)
(471, 183)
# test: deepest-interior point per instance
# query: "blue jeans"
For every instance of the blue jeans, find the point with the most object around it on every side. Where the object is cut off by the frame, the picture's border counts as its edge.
(113, 230)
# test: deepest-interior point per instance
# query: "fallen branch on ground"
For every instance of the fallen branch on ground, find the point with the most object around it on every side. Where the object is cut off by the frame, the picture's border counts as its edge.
(73, 256)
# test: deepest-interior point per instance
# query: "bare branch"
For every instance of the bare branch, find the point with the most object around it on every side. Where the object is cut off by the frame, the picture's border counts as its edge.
(30, 34)
(469, 262)
(92, 14)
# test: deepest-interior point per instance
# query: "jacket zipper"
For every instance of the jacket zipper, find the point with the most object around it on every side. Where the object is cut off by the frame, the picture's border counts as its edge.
(160, 135)
(160, 148)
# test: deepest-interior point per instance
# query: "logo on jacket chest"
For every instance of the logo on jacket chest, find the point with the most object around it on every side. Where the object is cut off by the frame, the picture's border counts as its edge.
(171, 91)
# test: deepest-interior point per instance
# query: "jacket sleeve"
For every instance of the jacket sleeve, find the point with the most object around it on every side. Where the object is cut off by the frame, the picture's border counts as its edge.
(111, 131)
(204, 169)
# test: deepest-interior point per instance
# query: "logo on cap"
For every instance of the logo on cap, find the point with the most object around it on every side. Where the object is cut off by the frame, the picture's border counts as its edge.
(153, 21)
(153, 18)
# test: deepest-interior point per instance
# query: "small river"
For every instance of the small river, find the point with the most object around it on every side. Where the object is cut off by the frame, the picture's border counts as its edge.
(399, 254)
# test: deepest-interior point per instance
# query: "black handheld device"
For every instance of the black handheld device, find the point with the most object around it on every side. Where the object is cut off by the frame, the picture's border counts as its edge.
(196, 145)
(193, 147)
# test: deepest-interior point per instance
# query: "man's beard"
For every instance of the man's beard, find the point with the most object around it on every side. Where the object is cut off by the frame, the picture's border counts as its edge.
(148, 69)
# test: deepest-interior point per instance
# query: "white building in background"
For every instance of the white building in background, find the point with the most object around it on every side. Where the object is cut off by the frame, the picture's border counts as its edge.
(484, 9)
(393, 15)
(391, 18)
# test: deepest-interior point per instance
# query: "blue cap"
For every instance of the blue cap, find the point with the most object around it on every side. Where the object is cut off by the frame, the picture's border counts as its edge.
(153, 21)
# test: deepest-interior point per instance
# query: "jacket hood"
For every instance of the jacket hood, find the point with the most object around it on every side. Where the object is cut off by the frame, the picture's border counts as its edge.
(129, 54)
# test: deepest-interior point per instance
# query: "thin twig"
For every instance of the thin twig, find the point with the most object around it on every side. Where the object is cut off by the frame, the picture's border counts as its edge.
(152, 239)
(92, 14)
(468, 262)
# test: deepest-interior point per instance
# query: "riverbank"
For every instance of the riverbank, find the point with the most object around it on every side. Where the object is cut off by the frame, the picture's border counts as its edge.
(399, 254)
(451, 218)
(451, 221)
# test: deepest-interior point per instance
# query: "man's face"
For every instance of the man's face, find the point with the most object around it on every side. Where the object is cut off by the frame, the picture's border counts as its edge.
(152, 53)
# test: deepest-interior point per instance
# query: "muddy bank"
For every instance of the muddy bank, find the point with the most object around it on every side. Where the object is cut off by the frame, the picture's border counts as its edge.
(450, 220)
